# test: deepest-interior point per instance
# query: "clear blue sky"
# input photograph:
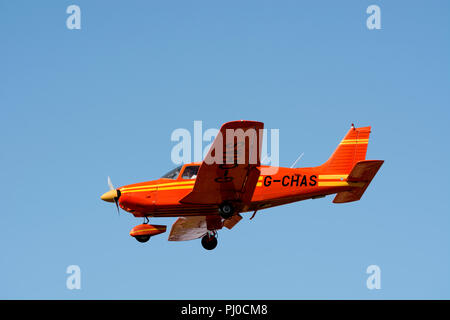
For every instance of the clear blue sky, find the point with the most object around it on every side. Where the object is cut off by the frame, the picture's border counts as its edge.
(80, 105)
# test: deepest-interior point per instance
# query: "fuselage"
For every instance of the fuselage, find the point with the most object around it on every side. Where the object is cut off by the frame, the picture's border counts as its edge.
(276, 186)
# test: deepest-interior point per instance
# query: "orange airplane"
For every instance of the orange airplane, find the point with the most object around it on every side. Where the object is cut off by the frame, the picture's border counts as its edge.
(210, 195)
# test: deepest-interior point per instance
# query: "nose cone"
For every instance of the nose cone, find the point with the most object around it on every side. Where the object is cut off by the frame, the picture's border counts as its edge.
(109, 196)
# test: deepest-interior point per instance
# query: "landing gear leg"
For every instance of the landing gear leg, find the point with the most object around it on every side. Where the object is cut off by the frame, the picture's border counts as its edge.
(209, 240)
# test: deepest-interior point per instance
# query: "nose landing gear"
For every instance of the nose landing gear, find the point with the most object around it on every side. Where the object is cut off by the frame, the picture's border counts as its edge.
(209, 240)
(145, 231)
(143, 238)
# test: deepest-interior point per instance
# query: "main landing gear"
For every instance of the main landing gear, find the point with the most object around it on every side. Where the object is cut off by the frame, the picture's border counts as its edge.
(227, 210)
(209, 240)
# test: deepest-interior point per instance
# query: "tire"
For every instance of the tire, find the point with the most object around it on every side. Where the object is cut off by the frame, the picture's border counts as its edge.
(209, 242)
(226, 210)
(144, 238)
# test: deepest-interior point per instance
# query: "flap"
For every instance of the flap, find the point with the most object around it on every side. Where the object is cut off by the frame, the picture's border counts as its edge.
(188, 228)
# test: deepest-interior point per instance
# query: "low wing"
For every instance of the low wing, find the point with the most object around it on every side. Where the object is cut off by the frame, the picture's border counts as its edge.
(229, 171)
(188, 228)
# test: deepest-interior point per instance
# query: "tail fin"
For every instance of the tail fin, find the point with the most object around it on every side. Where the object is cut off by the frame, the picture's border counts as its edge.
(352, 149)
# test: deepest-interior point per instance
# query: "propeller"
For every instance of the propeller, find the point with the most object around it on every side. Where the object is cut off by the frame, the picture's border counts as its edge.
(112, 195)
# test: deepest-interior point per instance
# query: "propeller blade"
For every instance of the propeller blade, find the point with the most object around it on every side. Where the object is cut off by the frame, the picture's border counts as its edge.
(117, 206)
(111, 187)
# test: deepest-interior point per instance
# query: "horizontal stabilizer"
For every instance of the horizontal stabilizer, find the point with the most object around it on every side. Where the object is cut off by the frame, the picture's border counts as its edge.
(363, 171)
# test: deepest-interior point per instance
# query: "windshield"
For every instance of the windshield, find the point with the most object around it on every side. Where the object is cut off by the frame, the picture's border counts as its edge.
(172, 174)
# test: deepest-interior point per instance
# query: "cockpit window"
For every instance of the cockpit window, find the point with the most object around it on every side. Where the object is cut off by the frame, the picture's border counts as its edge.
(190, 172)
(173, 174)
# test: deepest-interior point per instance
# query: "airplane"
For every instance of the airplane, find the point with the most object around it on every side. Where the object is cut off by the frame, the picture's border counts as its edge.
(209, 195)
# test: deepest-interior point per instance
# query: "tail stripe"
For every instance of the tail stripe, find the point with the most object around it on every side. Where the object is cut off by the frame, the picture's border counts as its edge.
(354, 141)
(340, 184)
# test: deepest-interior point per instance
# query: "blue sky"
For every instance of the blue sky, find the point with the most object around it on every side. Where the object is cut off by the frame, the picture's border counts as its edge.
(80, 105)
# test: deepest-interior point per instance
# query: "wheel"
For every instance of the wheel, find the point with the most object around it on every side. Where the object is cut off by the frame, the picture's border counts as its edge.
(144, 238)
(226, 210)
(209, 242)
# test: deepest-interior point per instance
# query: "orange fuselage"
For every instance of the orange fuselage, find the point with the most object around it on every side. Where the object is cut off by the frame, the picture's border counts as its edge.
(161, 197)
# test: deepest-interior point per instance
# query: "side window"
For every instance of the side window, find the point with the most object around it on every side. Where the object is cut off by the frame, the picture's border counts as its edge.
(190, 172)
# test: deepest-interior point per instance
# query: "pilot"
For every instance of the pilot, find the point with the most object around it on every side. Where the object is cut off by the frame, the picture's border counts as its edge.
(190, 173)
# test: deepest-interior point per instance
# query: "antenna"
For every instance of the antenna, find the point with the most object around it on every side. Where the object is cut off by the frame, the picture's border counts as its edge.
(264, 159)
(297, 159)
